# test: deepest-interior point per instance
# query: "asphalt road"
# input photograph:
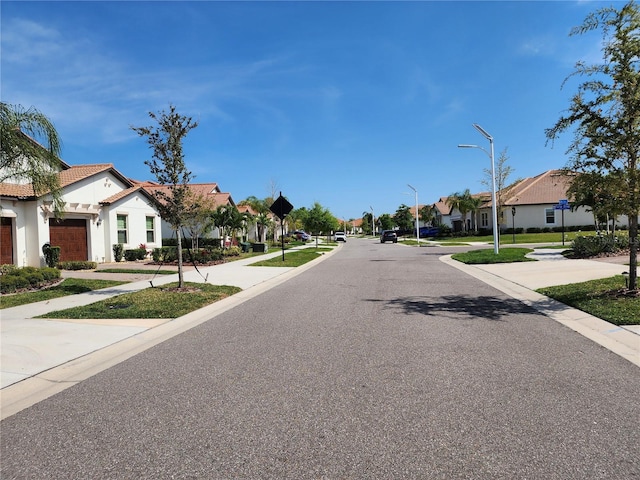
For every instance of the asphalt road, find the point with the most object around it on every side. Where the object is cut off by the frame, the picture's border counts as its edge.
(379, 363)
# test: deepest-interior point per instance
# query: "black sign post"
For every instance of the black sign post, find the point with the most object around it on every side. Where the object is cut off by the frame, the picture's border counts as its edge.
(281, 208)
(513, 223)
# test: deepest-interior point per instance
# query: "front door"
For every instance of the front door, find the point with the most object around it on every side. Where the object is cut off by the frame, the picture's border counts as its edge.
(6, 241)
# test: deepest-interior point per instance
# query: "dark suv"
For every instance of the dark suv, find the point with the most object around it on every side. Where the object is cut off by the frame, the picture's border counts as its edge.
(388, 236)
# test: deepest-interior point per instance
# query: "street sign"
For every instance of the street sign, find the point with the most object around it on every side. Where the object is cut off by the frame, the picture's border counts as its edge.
(281, 207)
(562, 205)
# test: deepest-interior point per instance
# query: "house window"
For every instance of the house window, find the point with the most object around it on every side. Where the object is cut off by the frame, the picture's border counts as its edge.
(550, 216)
(151, 234)
(122, 229)
(484, 219)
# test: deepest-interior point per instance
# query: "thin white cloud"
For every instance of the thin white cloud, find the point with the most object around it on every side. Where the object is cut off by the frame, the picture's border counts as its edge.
(82, 88)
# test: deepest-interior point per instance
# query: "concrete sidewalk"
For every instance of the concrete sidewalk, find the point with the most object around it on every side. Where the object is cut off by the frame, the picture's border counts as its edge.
(40, 357)
(32, 346)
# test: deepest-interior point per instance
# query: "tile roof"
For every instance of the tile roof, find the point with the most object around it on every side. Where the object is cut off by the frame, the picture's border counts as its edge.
(80, 172)
(67, 177)
(209, 190)
(16, 190)
(546, 188)
(123, 194)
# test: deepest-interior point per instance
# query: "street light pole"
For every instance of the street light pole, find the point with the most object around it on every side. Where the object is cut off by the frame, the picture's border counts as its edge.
(417, 229)
(494, 207)
(373, 222)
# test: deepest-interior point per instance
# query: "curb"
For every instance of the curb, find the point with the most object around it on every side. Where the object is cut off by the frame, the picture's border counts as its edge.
(618, 340)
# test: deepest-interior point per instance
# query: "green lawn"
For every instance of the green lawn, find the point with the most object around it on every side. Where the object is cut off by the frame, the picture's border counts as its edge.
(293, 259)
(138, 271)
(69, 286)
(601, 298)
(507, 238)
(487, 255)
(159, 302)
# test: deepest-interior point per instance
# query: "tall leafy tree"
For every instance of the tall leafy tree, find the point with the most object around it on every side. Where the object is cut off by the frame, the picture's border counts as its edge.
(403, 218)
(427, 214)
(168, 166)
(605, 112)
(385, 221)
(30, 151)
(319, 220)
(599, 194)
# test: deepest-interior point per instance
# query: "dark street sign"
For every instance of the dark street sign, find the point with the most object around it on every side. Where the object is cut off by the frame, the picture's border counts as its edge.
(281, 207)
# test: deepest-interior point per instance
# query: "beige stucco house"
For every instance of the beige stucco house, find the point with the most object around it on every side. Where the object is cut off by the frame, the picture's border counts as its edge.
(532, 200)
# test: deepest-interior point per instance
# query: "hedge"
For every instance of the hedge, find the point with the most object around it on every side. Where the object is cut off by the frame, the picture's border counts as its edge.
(77, 265)
(13, 279)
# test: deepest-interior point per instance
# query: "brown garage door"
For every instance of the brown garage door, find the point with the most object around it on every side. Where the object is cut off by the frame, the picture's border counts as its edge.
(71, 237)
(6, 241)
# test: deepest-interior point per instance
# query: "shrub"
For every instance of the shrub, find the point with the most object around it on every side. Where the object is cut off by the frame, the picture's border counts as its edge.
(18, 278)
(135, 254)
(165, 254)
(233, 251)
(51, 255)
(8, 283)
(7, 269)
(35, 279)
(595, 245)
(49, 273)
(78, 265)
(118, 248)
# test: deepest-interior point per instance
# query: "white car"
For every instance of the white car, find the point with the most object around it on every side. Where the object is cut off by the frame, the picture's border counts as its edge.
(340, 237)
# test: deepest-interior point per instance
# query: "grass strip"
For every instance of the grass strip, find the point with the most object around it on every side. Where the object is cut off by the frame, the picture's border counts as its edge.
(69, 286)
(604, 298)
(158, 302)
(137, 271)
(293, 258)
(487, 255)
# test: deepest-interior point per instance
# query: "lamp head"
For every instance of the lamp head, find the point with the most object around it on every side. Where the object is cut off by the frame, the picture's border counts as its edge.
(468, 146)
(483, 132)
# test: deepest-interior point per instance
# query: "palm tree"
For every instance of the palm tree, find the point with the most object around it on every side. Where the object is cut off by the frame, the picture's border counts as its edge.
(474, 204)
(30, 151)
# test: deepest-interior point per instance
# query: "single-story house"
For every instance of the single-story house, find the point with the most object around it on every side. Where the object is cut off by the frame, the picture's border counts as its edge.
(531, 203)
(101, 208)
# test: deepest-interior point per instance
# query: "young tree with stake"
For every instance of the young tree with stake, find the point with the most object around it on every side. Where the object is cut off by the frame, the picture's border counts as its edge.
(168, 166)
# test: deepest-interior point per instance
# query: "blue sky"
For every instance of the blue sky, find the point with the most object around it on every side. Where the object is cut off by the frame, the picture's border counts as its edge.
(341, 103)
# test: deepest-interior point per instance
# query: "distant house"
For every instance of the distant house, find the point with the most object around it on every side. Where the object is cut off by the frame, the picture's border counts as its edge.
(209, 191)
(101, 208)
(531, 203)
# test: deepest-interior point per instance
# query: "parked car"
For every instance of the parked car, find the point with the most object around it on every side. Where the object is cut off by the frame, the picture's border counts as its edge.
(301, 235)
(428, 232)
(388, 236)
(340, 237)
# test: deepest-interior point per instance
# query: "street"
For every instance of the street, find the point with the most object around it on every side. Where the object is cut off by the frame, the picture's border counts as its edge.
(381, 362)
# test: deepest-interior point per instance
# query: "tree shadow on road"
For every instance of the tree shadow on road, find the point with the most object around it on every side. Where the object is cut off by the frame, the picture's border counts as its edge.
(485, 307)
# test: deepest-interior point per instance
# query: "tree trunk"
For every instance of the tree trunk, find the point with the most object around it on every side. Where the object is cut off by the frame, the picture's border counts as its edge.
(180, 274)
(633, 252)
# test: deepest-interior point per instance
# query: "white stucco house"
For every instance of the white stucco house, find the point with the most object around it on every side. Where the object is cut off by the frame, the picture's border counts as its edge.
(101, 208)
(532, 200)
